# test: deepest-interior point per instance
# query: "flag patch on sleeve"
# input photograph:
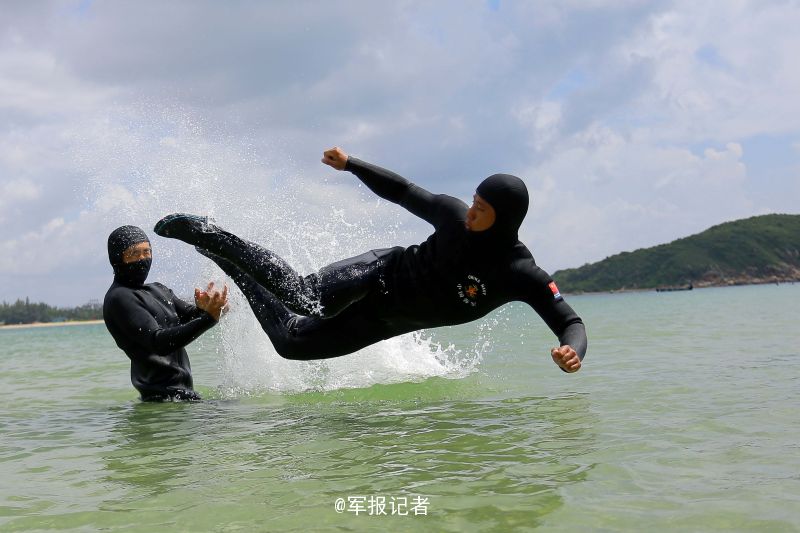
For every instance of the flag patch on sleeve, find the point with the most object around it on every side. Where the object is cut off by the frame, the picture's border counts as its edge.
(554, 289)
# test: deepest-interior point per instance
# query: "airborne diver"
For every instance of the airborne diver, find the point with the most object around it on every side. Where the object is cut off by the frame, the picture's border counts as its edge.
(471, 264)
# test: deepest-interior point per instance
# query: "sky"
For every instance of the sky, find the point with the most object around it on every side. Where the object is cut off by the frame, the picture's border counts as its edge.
(632, 123)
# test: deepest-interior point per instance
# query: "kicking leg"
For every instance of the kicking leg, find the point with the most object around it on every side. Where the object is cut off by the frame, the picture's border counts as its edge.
(271, 313)
(304, 338)
(325, 294)
(300, 294)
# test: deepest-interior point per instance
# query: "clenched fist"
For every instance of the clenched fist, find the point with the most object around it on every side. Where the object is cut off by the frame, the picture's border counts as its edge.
(566, 358)
(335, 157)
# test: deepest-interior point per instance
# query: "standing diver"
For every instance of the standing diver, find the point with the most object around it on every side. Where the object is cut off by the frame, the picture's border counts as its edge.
(471, 264)
(152, 325)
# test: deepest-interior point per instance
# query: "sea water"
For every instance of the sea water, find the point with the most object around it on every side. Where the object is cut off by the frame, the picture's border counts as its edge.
(684, 417)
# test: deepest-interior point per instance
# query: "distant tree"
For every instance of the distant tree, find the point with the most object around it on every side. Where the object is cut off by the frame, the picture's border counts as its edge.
(25, 312)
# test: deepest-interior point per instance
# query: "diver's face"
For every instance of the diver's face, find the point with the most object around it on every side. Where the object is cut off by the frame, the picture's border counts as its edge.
(480, 216)
(137, 252)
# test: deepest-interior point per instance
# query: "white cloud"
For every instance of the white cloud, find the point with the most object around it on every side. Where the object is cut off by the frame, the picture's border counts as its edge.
(627, 119)
(36, 86)
(543, 119)
(696, 101)
(602, 194)
(18, 190)
(55, 244)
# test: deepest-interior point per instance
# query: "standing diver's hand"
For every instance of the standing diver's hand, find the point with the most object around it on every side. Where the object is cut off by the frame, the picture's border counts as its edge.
(211, 300)
(566, 358)
(335, 157)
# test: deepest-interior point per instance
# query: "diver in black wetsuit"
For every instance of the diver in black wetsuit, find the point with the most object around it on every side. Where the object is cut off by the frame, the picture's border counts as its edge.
(471, 264)
(150, 324)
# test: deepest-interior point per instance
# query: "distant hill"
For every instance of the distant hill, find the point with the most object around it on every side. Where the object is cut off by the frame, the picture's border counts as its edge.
(762, 249)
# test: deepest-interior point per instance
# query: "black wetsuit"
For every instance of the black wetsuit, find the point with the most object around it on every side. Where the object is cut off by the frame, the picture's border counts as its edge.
(454, 277)
(152, 326)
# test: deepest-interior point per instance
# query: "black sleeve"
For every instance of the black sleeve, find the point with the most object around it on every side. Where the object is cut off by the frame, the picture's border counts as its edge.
(545, 299)
(185, 310)
(136, 322)
(395, 188)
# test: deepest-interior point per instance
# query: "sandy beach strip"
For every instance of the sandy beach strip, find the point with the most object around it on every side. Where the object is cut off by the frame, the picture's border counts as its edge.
(50, 324)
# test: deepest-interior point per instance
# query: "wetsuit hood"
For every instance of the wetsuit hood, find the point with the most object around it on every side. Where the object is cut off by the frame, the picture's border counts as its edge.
(508, 195)
(128, 274)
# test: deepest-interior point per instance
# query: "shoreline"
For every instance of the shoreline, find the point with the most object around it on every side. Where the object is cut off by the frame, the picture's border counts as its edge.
(51, 324)
(701, 285)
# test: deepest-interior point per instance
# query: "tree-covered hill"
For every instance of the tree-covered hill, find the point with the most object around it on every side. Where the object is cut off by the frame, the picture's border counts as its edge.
(761, 249)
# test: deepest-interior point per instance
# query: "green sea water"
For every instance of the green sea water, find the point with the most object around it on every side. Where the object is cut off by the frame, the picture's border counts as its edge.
(684, 418)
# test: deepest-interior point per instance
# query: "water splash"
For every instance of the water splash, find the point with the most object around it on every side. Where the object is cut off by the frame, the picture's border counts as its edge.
(145, 163)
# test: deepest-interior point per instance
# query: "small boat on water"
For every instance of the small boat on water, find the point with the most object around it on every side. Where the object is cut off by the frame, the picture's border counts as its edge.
(673, 289)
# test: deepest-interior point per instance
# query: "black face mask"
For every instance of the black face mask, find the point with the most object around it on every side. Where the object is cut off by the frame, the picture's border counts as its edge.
(132, 274)
(128, 274)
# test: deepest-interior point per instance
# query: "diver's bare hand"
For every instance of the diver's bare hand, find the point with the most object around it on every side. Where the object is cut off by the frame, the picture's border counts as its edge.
(335, 157)
(212, 300)
(566, 358)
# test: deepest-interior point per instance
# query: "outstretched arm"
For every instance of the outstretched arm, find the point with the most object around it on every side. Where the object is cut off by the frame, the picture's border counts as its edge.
(566, 356)
(542, 294)
(388, 185)
(138, 324)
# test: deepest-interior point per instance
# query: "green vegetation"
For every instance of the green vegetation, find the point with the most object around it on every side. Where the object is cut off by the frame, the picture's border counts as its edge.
(25, 312)
(760, 249)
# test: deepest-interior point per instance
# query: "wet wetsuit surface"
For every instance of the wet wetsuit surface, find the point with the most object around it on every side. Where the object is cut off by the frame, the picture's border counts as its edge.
(454, 277)
(152, 326)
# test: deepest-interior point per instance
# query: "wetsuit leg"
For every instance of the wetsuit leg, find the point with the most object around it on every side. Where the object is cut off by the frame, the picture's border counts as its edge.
(302, 337)
(326, 293)
(343, 283)
(269, 310)
(270, 271)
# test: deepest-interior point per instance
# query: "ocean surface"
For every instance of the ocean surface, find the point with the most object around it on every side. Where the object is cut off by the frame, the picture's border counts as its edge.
(685, 417)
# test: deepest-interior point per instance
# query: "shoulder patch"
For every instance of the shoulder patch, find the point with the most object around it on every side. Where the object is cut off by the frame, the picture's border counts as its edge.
(554, 290)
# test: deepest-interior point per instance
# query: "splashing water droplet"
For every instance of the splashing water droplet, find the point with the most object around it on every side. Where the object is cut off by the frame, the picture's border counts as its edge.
(140, 175)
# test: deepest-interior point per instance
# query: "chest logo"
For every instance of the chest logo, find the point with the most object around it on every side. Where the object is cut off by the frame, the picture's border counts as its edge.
(471, 290)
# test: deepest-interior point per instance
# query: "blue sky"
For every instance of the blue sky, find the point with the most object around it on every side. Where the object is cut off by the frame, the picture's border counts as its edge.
(633, 123)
